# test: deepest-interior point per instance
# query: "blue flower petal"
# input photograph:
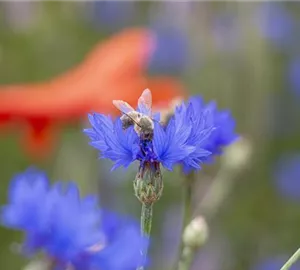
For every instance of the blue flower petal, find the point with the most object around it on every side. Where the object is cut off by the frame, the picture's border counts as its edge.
(113, 142)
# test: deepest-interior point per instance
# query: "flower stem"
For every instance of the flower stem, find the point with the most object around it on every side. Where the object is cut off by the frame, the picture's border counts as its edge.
(146, 219)
(146, 222)
(186, 259)
(291, 260)
(187, 215)
(185, 256)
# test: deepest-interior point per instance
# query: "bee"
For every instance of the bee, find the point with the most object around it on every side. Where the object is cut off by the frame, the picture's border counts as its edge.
(142, 121)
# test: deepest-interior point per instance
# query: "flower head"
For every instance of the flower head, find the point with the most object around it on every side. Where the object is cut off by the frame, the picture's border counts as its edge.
(70, 230)
(193, 134)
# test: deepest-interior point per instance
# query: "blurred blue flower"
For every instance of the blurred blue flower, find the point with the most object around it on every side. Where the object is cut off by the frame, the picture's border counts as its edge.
(286, 175)
(294, 75)
(70, 230)
(112, 15)
(170, 55)
(192, 135)
(124, 243)
(274, 263)
(224, 133)
(276, 23)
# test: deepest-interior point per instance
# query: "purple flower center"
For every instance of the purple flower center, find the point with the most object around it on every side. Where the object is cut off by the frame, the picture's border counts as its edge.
(146, 153)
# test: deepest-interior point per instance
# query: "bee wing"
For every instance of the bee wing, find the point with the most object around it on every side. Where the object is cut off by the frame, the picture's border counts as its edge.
(123, 106)
(145, 102)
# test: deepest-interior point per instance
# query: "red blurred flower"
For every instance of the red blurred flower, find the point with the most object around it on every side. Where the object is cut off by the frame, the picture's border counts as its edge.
(114, 69)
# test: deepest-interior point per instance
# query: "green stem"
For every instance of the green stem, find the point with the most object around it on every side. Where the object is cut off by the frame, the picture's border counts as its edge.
(146, 219)
(291, 260)
(146, 222)
(216, 194)
(187, 216)
(187, 257)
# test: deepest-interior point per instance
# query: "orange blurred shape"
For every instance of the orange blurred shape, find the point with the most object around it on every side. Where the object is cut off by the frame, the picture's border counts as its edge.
(112, 70)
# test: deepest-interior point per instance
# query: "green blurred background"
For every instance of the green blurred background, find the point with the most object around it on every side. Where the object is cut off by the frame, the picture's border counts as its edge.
(238, 54)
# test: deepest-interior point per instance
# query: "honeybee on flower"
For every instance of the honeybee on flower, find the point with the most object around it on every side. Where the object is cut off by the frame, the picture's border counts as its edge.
(142, 121)
(194, 133)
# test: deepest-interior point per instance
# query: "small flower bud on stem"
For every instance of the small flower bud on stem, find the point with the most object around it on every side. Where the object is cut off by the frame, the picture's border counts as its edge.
(194, 236)
(187, 214)
(195, 233)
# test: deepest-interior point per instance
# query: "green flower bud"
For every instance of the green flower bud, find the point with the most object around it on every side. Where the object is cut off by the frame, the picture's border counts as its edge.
(196, 233)
(148, 184)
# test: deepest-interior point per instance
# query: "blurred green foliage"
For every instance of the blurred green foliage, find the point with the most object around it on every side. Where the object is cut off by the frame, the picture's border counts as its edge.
(255, 221)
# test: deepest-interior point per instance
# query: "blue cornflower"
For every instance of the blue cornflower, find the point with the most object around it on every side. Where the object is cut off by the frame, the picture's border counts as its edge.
(171, 53)
(286, 175)
(192, 135)
(69, 230)
(123, 147)
(276, 23)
